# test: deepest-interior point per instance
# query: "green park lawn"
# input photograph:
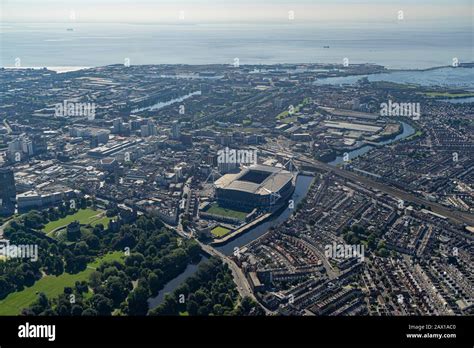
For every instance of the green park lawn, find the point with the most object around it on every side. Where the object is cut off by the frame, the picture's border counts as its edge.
(218, 210)
(103, 220)
(84, 216)
(220, 231)
(51, 286)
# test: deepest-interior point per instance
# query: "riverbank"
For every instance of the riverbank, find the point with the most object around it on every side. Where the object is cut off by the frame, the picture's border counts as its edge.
(407, 131)
(241, 230)
(169, 287)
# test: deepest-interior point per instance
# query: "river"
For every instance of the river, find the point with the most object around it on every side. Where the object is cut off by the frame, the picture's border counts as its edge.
(461, 100)
(154, 302)
(407, 131)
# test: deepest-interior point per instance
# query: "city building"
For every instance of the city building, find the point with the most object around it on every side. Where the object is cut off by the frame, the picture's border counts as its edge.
(7, 191)
(257, 186)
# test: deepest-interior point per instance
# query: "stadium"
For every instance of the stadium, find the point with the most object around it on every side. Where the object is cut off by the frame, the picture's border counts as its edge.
(256, 186)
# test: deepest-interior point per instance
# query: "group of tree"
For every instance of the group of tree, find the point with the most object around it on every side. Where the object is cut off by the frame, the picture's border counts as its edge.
(372, 240)
(210, 291)
(18, 273)
(153, 255)
(54, 256)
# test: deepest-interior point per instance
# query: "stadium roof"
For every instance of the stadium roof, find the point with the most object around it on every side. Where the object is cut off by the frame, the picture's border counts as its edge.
(275, 180)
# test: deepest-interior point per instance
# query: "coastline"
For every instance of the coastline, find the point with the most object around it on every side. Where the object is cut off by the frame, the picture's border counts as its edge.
(64, 69)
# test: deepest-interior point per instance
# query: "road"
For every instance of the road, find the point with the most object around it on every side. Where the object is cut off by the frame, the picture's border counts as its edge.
(240, 280)
(7, 126)
(243, 286)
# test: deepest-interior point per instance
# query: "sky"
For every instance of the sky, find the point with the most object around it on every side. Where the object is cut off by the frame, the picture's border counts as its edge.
(255, 11)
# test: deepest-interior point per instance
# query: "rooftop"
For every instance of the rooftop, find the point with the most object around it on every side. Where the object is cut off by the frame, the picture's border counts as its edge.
(258, 179)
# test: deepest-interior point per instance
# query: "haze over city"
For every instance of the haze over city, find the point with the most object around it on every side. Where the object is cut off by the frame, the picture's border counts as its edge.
(221, 159)
(212, 11)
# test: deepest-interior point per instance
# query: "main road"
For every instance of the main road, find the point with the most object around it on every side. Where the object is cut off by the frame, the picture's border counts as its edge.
(240, 280)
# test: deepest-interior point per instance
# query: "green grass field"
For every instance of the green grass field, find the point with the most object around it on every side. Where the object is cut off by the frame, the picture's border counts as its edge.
(84, 216)
(220, 231)
(52, 286)
(113, 256)
(413, 136)
(103, 220)
(217, 210)
(449, 94)
(297, 108)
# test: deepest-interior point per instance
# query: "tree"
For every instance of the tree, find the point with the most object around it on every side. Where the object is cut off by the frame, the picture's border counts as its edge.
(89, 312)
(81, 287)
(138, 301)
(169, 306)
(76, 310)
(193, 250)
(372, 241)
(218, 309)
(33, 219)
(73, 231)
(75, 264)
(81, 248)
(135, 259)
(101, 304)
(41, 304)
(95, 279)
(246, 305)
(192, 308)
(53, 265)
(116, 289)
(63, 310)
(43, 300)
(155, 283)
(228, 301)
(93, 242)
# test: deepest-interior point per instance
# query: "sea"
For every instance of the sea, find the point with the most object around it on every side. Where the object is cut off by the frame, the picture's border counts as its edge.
(396, 45)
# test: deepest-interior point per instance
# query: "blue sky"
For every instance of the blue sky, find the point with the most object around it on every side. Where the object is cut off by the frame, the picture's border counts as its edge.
(169, 11)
